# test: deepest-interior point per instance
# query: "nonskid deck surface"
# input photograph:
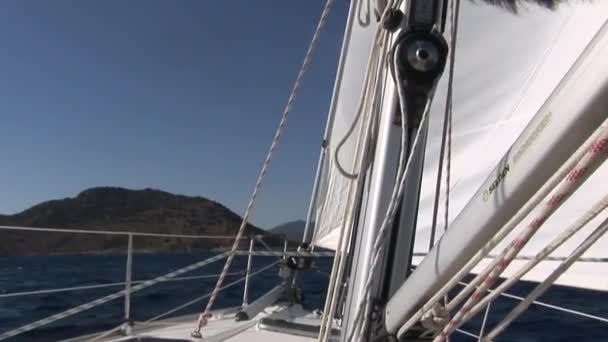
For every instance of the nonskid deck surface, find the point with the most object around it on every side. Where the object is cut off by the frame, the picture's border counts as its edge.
(223, 327)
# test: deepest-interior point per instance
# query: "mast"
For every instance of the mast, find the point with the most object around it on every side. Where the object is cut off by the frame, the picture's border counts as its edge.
(419, 53)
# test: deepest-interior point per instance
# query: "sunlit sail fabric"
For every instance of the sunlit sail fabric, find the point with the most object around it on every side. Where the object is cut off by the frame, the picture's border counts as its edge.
(506, 66)
(333, 207)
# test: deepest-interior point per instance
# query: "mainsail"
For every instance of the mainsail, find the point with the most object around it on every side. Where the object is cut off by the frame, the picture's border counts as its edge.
(507, 64)
(503, 75)
(333, 208)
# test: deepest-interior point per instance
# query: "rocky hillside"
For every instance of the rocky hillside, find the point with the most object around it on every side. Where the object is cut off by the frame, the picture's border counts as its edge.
(293, 230)
(109, 208)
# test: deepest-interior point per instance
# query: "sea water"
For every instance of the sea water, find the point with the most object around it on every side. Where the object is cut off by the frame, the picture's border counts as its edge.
(19, 274)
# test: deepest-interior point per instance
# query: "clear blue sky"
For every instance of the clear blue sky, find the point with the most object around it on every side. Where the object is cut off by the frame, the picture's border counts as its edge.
(183, 96)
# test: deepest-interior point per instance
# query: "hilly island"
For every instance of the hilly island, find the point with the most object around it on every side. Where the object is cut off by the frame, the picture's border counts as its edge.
(119, 209)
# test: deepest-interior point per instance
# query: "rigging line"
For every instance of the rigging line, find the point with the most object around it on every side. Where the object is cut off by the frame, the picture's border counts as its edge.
(380, 41)
(572, 229)
(98, 286)
(485, 320)
(357, 326)
(371, 65)
(108, 298)
(456, 14)
(588, 164)
(370, 74)
(268, 249)
(576, 174)
(344, 237)
(266, 164)
(549, 306)
(364, 310)
(464, 332)
(542, 287)
(113, 232)
(551, 258)
(198, 299)
(522, 213)
(530, 257)
(447, 129)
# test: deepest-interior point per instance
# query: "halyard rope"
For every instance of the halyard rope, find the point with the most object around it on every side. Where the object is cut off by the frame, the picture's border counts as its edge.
(374, 78)
(266, 164)
(542, 287)
(539, 196)
(602, 132)
(552, 246)
(594, 156)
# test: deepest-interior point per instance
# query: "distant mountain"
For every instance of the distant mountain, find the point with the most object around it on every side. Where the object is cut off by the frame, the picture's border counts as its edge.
(111, 208)
(293, 230)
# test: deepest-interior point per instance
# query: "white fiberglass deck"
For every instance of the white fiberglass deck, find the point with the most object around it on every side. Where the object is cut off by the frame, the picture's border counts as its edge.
(224, 327)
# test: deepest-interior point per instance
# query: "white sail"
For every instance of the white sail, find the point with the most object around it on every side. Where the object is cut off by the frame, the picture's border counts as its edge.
(506, 66)
(332, 205)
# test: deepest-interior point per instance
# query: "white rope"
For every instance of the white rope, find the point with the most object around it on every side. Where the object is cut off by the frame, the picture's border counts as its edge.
(576, 174)
(98, 286)
(266, 164)
(363, 310)
(580, 223)
(108, 298)
(371, 70)
(542, 287)
(447, 129)
(560, 258)
(530, 257)
(557, 308)
(506, 229)
(591, 160)
(373, 85)
(548, 306)
(113, 232)
(357, 327)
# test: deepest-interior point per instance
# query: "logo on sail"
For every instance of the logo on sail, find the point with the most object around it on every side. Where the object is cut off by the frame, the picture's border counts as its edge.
(499, 178)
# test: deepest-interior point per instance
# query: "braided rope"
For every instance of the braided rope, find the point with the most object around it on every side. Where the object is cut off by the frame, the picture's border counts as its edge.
(550, 306)
(537, 198)
(593, 157)
(266, 164)
(579, 224)
(544, 286)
